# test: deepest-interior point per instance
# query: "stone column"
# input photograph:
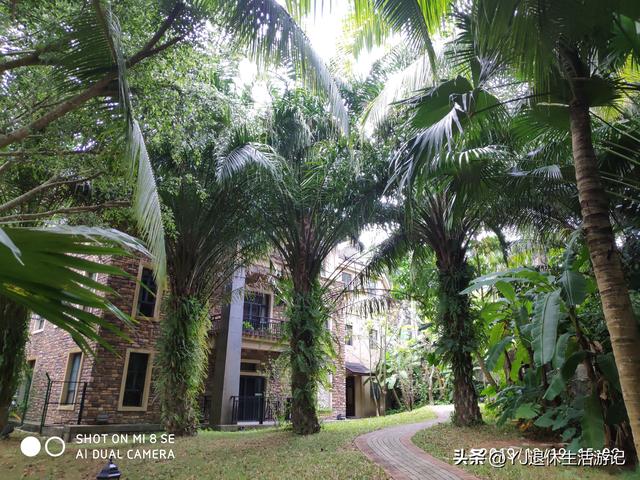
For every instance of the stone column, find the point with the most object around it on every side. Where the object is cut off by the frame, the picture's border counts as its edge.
(228, 347)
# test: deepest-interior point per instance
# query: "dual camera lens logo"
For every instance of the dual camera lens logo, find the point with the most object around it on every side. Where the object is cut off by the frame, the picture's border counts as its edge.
(31, 446)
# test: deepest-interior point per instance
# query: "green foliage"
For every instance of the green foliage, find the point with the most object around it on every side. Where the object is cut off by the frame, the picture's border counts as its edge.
(540, 314)
(319, 193)
(182, 361)
(310, 350)
(62, 255)
(546, 317)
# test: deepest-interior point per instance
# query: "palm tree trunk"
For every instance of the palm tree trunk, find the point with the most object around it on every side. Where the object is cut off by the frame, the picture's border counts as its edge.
(182, 360)
(616, 304)
(14, 320)
(303, 326)
(459, 334)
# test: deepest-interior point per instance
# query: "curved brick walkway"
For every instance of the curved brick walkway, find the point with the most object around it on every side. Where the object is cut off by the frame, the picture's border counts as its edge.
(392, 449)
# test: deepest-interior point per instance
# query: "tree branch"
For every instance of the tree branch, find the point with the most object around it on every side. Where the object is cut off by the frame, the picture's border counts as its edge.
(97, 88)
(27, 60)
(177, 8)
(62, 109)
(26, 153)
(55, 181)
(68, 211)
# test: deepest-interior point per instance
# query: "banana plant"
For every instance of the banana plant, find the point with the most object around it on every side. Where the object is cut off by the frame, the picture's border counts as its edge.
(537, 340)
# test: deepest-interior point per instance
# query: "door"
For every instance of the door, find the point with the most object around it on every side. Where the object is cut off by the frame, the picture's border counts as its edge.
(251, 398)
(351, 396)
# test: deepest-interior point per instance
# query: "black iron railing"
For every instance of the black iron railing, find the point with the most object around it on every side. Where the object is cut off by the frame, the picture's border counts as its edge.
(259, 409)
(205, 408)
(254, 325)
(263, 326)
(70, 395)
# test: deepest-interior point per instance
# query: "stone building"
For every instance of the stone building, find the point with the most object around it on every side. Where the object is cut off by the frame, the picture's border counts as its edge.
(112, 390)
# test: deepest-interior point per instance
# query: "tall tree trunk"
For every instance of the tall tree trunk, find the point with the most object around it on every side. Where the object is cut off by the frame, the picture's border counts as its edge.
(182, 360)
(458, 333)
(14, 320)
(305, 327)
(616, 304)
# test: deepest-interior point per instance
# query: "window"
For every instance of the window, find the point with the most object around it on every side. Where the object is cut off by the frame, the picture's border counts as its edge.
(135, 383)
(146, 294)
(71, 379)
(346, 279)
(373, 338)
(38, 323)
(348, 334)
(248, 367)
(256, 308)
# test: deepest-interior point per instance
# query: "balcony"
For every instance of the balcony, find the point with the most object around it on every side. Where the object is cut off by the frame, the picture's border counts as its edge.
(263, 327)
(254, 326)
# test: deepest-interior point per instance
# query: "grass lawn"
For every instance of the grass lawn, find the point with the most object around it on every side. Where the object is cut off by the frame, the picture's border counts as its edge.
(441, 441)
(258, 454)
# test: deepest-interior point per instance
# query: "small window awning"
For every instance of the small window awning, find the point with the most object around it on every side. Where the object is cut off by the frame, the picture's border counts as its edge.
(356, 368)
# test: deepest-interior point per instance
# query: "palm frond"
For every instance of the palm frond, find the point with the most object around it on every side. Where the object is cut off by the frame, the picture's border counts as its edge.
(146, 203)
(273, 36)
(397, 87)
(52, 278)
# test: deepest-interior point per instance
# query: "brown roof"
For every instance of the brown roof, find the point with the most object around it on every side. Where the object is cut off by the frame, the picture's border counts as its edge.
(356, 368)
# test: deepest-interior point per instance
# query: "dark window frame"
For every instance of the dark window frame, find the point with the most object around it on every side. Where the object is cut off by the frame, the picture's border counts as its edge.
(71, 379)
(147, 298)
(133, 396)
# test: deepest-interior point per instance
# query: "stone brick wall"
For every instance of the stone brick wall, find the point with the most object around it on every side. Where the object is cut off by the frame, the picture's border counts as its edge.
(50, 348)
(338, 388)
(103, 372)
(108, 370)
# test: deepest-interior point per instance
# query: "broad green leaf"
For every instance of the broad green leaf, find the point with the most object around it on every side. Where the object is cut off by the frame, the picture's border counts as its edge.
(547, 315)
(507, 291)
(527, 411)
(607, 365)
(616, 413)
(561, 350)
(592, 424)
(575, 287)
(546, 420)
(496, 352)
(569, 367)
(568, 434)
(521, 357)
(556, 387)
(8, 243)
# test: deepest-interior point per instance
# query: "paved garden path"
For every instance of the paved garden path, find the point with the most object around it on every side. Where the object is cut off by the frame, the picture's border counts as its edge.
(392, 449)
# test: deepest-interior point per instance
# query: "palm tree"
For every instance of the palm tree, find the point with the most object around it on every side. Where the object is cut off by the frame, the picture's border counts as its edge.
(444, 210)
(321, 195)
(87, 60)
(577, 66)
(209, 235)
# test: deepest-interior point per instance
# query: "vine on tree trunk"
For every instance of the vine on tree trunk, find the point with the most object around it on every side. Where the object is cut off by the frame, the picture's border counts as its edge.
(14, 321)
(182, 363)
(458, 340)
(310, 350)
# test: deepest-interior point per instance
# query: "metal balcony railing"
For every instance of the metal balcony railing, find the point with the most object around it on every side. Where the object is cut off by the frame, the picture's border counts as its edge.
(257, 326)
(263, 326)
